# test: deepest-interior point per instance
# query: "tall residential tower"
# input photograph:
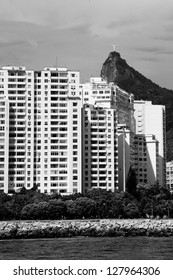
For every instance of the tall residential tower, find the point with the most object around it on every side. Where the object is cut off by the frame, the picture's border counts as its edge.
(150, 122)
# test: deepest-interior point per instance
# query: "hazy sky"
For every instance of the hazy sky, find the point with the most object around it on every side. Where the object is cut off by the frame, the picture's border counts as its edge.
(79, 35)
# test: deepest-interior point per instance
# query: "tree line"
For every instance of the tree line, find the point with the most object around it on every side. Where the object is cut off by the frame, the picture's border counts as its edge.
(139, 202)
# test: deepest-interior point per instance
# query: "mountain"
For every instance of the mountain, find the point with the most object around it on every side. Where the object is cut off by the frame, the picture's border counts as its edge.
(116, 70)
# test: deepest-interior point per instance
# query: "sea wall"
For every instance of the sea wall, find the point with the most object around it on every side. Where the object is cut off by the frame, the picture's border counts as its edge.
(92, 228)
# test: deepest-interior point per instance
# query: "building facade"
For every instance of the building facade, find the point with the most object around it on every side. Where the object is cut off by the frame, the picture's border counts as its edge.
(108, 133)
(14, 94)
(100, 148)
(150, 120)
(57, 161)
(146, 158)
(40, 123)
(169, 175)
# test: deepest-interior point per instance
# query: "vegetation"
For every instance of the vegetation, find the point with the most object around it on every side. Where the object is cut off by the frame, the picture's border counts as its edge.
(139, 201)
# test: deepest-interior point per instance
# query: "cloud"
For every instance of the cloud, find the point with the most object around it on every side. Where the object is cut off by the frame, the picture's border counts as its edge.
(17, 44)
(124, 22)
(166, 37)
(151, 59)
(153, 50)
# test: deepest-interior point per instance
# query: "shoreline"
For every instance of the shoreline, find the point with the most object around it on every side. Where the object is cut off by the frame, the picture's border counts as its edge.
(91, 228)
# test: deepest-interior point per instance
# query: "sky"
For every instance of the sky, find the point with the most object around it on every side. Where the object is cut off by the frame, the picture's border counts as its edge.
(79, 35)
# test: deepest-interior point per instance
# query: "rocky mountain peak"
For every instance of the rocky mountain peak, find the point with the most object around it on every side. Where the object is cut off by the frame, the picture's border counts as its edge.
(115, 69)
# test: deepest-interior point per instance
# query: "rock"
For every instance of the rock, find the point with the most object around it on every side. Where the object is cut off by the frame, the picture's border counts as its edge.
(54, 229)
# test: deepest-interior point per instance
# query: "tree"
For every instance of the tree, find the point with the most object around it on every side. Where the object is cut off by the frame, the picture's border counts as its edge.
(85, 207)
(131, 210)
(56, 209)
(71, 209)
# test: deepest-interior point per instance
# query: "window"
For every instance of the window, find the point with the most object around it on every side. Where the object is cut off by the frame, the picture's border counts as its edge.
(74, 134)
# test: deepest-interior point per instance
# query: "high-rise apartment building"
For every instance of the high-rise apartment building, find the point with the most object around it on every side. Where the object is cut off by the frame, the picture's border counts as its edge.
(150, 120)
(14, 91)
(4, 142)
(40, 123)
(57, 161)
(106, 107)
(100, 148)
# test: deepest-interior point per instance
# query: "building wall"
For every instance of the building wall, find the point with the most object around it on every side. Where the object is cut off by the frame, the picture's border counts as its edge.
(169, 175)
(146, 158)
(59, 117)
(100, 153)
(42, 111)
(4, 143)
(150, 119)
(13, 89)
(125, 155)
(111, 97)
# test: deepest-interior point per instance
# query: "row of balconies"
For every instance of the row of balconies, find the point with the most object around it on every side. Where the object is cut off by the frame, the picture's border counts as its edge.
(15, 135)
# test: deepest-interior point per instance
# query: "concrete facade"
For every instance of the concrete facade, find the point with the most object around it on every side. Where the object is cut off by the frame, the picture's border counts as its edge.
(150, 120)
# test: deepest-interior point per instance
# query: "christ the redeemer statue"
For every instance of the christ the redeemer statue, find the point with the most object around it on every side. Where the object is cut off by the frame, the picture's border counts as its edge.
(114, 47)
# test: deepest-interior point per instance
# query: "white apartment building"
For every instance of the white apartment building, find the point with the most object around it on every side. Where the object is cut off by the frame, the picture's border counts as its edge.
(14, 94)
(58, 131)
(169, 175)
(40, 120)
(4, 142)
(96, 90)
(150, 120)
(100, 148)
(108, 110)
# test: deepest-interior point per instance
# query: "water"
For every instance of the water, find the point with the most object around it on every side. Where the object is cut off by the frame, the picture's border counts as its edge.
(91, 248)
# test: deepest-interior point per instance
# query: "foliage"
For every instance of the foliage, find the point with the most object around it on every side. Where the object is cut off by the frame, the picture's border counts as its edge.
(70, 209)
(85, 207)
(35, 211)
(54, 209)
(98, 203)
(131, 210)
